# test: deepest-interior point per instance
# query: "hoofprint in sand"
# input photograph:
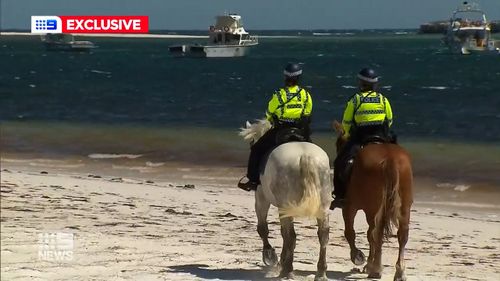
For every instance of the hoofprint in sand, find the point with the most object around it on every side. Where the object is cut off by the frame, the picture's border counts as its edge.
(142, 230)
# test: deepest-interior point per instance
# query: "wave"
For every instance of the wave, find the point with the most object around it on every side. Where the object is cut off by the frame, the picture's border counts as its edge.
(456, 187)
(113, 156)
(100, 71)
(460, 204)
(435, 87)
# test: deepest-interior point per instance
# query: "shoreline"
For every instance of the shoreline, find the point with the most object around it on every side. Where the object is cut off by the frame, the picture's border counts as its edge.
(175, 230)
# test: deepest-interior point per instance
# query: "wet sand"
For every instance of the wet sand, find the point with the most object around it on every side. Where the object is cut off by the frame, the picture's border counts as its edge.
(187, 226)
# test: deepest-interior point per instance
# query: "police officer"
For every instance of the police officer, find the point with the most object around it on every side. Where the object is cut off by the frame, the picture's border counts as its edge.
(367, 114)
(289, 107)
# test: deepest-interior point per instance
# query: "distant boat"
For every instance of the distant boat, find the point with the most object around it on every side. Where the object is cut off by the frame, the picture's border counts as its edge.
(469, 31)
(65, 42)
(227, 38)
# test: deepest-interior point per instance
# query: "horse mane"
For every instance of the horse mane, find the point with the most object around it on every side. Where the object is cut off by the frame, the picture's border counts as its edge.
(253, 132)
(341, 139)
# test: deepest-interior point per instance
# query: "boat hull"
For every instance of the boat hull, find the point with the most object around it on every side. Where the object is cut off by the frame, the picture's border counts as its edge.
(215, 51)
(69, 47)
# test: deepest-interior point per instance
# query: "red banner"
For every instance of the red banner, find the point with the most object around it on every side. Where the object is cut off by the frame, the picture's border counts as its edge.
(105, 24)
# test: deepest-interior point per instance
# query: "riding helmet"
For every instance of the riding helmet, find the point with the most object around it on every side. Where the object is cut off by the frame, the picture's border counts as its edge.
(368, 75)
(293, 70)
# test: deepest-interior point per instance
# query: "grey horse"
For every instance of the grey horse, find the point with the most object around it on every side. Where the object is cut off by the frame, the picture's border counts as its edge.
(296, 179)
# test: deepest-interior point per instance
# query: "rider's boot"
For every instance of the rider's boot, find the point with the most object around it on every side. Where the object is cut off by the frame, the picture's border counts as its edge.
(246, 184)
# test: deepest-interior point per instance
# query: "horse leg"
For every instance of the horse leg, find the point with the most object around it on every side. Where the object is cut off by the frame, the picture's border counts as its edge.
(269, 256)
(323, 235)
(403, 230)
(289, 236)
(375, 238)
(369, 267)
(357, 257)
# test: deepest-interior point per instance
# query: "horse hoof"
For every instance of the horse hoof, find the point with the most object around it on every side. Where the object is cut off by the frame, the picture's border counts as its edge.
(400, 278)
(357, 257)
(286, 275)
(321, 277)
(269, 257)
(375, 275)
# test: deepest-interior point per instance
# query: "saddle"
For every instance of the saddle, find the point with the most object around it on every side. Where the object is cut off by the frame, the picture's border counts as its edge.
(289, 134)
(371, 139)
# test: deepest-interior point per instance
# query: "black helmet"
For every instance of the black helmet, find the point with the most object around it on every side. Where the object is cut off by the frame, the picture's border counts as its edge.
(368, 75)
(293, 70)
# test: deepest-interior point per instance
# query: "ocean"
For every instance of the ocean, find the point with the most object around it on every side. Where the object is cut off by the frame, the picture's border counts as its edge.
(130, 97)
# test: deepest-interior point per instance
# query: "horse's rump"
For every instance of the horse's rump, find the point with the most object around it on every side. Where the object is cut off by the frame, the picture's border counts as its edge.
(380, 170)
(297, 174)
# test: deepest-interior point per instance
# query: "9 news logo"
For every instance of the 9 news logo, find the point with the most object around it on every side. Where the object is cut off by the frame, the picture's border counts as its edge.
(89, 24)
(46, 24)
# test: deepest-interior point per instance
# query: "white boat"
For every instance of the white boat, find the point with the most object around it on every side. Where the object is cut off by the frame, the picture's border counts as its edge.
(227, 38)
(65, 42)
(469, 31)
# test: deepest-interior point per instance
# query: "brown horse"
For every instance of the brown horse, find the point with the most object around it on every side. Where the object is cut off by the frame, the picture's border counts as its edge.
(381, 186)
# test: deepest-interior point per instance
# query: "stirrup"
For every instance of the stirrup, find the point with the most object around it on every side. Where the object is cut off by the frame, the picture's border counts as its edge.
(248, 186)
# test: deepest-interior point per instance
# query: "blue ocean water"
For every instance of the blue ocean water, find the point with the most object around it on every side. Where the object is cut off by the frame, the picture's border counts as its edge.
(132, 85)
(126, 80)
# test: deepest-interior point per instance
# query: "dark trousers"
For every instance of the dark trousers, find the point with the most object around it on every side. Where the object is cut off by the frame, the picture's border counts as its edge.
(263, 145)
(342, 171)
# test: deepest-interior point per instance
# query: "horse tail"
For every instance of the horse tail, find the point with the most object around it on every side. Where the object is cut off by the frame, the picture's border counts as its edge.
(390, 209)
(310, 204)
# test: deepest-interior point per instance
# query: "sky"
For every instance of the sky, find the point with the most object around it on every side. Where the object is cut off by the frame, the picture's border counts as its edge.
(257, 14)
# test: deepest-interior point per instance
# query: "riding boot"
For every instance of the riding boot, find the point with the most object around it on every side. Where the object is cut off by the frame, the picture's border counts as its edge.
(339, 186)
(266, 142)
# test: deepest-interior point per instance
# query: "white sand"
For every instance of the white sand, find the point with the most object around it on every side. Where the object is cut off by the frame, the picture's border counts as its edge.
(134, 230)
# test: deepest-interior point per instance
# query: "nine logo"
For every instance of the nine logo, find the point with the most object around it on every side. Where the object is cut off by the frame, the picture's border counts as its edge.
(89, 24)
(46, 24)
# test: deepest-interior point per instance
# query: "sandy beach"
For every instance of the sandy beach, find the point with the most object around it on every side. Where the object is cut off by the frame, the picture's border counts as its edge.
(196, 228)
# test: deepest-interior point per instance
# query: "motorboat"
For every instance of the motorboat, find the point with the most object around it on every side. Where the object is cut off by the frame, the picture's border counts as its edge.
(227, 38)
(469, 31)
(65, 42)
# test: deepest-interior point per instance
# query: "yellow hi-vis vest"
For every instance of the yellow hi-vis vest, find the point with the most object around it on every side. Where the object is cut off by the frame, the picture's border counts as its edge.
(289, 104)
(365, 109)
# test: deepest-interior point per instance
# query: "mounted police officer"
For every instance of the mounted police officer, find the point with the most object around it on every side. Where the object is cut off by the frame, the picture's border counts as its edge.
(367, 117)
(289, 112)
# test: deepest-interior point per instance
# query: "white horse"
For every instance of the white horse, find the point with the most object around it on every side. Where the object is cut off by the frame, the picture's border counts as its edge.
(295, 179)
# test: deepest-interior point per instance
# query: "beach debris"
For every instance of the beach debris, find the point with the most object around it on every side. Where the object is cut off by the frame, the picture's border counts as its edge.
(43, 172)
(150, 181)
(5, 170)
(461, 187)
(116, 180)
(186, 186)
(172, 211)
(94, 176)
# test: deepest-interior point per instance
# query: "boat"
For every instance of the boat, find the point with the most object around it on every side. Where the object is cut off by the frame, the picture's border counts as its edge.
(469, 31)
(227, 38)
(65, 42)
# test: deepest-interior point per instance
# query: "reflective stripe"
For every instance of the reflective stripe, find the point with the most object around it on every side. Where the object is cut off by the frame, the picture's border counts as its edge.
(294, 106)
(369, 123)
(289, 120)
(305, 104)
(292, 74)
(365, 112)
(368, 79)
(280, 98)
